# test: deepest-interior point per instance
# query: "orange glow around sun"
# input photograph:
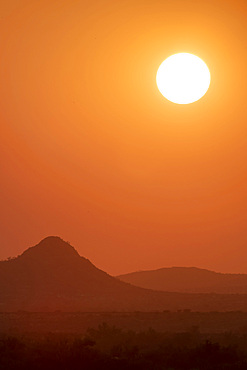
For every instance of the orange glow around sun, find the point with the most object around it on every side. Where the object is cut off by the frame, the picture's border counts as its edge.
(92, 151)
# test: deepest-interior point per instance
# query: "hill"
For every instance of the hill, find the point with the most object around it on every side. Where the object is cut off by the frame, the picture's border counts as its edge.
(188, 280)
(53, 276)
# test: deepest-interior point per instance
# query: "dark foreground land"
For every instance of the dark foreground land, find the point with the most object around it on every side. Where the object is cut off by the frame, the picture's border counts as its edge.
(146, 341)
(78, 322)
(112, 348)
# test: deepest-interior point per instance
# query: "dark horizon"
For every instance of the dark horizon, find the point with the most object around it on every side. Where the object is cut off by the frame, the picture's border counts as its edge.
(126, 273)
(52, 276)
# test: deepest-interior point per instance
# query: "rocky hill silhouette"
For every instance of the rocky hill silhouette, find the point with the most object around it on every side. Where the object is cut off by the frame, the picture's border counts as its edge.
(188, 280)
(53, 276)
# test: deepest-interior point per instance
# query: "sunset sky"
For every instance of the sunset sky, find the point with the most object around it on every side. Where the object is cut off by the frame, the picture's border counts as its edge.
(92, 152)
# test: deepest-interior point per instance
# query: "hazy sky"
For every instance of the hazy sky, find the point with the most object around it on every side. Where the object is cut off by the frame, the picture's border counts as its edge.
(92, 152)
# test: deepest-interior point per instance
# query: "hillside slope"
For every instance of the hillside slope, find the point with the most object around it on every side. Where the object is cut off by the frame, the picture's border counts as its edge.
(188, 280)
(53, 276)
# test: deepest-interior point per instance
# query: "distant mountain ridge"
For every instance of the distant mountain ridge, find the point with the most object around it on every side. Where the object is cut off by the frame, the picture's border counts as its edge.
(188, 280)
(52, 276)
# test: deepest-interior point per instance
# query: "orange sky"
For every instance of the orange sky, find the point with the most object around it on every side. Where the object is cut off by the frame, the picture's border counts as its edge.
(92, 152)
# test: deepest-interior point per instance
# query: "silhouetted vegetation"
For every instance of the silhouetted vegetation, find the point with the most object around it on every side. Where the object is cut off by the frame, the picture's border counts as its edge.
(109, 347)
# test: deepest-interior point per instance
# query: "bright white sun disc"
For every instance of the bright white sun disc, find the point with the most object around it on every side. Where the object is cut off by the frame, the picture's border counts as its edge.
(183, 78)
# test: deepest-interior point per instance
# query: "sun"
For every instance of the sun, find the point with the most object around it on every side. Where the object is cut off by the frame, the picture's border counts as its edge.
(183, 78)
